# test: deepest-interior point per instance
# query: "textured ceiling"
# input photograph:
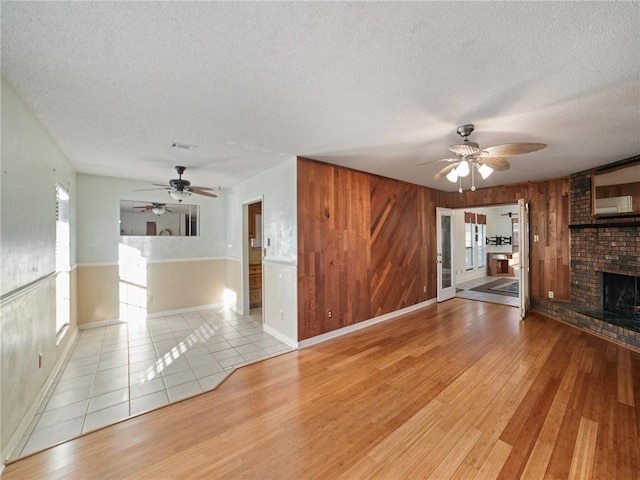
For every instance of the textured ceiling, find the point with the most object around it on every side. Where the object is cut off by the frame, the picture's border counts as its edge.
(374, 86)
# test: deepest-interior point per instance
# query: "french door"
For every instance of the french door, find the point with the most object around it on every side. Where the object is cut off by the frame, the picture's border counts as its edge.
(444, 254)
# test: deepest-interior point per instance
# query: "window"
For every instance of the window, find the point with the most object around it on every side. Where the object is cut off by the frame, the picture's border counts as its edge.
(158, 219)
(469, 237)
(475, 234)
(468, 245)
(63, 260)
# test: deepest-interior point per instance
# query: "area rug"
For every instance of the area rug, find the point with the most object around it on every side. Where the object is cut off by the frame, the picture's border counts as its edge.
(503, 286)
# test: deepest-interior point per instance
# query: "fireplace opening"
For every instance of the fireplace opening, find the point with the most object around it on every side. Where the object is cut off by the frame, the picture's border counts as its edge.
(621, 300)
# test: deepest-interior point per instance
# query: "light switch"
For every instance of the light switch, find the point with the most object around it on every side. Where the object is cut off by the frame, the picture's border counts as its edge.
(536, 238)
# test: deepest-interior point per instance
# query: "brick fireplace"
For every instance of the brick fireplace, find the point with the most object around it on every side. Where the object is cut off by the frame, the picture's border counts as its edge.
(595, 251)
(598, 246)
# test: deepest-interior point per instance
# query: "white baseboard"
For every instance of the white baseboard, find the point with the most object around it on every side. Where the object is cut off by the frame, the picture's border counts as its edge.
(15, 439)
(99, 324)
(364, 324)
(280, 336)
(184, 310)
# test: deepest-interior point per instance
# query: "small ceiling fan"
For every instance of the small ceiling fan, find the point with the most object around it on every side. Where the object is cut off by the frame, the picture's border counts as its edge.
(469, 158)
(155, 208)
(179, 189)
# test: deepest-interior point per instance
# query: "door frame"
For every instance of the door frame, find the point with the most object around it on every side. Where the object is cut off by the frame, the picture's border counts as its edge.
(246, 307)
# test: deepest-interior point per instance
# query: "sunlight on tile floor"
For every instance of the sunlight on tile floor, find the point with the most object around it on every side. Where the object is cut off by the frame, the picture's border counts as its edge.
(119, 371)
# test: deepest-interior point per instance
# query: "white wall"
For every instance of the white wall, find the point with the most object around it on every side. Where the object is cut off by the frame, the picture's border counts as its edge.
(499, 224)
(31, 164)
(99, 231)
(277, 188)
(182, 272)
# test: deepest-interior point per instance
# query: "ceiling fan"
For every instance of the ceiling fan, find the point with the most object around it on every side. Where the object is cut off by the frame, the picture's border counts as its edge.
(180, 189)
(155, 208)
(469, 158)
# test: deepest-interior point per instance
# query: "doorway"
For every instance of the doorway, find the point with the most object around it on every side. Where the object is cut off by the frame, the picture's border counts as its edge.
(489, 250)
(254, 259)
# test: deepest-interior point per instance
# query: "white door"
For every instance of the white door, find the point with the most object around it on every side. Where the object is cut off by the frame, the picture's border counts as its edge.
(523, 217)
(444, 254)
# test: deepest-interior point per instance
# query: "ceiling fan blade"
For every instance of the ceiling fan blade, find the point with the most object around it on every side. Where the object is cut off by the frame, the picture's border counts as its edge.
(496, 163)
(444, 171)
(200, 188)
(200, 191)
(435, 161)
(511, 149)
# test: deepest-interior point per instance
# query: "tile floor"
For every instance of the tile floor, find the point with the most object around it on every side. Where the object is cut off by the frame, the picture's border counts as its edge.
(119, 371)
(469, 294)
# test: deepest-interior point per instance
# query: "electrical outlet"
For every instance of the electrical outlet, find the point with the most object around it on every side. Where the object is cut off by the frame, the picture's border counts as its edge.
(329, 314)
(281, 315)
(550, 293)
(150, 301)
(424, 289)
(536, 238)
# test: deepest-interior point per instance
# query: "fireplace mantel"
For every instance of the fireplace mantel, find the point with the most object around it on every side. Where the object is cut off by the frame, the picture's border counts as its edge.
(605, 225)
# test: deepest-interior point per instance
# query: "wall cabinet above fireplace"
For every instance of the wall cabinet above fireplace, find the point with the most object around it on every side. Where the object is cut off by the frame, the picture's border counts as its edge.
(616, 191)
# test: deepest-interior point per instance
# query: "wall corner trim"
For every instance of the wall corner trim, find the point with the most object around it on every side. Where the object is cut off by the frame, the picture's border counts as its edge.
(364, 324)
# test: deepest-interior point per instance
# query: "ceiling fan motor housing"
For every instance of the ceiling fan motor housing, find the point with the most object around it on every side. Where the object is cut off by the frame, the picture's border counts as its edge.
(179, 184)
(467, 148)
(465, 130)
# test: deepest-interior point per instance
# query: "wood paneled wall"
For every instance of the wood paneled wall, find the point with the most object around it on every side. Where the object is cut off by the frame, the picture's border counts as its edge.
(550, 256)
(366, 246)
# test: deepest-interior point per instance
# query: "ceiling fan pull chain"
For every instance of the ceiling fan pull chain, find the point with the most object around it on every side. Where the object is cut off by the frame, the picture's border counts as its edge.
(473, 177)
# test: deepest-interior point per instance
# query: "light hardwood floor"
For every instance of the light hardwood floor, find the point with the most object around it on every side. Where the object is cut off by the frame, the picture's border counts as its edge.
(458, 390)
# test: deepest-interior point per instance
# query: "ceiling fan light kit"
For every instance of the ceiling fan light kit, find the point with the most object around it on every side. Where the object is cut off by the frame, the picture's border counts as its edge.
(470, 157)
(179, 195)
(452, 176)
(463, 168)
(155, 208)
(484, 171)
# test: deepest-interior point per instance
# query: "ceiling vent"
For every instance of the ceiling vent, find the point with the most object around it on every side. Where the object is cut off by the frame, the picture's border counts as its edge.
(184, 146)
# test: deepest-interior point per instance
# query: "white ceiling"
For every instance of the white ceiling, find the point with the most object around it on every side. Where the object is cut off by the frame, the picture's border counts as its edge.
(374, 86)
